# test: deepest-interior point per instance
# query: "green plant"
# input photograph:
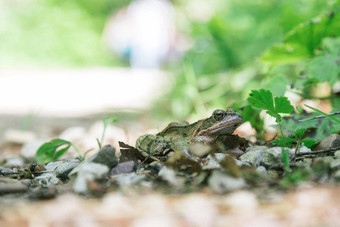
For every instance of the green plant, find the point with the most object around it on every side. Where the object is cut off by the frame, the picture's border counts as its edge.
(263, 99)
(106, 123)
(51, 151)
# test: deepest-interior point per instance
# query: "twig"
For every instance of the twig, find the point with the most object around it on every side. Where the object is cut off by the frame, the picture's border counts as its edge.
(320, 116)
(328, 150)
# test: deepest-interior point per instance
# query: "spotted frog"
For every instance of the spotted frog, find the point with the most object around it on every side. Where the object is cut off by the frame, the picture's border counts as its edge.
(178, 136)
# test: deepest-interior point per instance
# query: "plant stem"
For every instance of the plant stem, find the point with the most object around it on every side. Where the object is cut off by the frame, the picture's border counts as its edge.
(285, 155)
(77, 150)
(320, 151)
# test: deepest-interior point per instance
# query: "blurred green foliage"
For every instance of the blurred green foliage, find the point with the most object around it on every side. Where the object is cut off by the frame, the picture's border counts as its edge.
(248, 45)
(55, 33)
(233, 47)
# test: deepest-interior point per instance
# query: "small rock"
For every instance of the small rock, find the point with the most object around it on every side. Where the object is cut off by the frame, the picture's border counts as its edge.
(305, 149)
(4, 172)
(213, 163)
(43, 193)
(337, 154)
(253, 155)
(240, 163)
(8, 185)
(18, 136)
(261, 170)
(337, 175)
(14, 161)
(169, 175)
(105, 156)
(124, 167)
(62, 168)
(46, 180)
(335, 164)
(88, 172)
(130, 179)
(29, 149)
(273, 156)
(326, 159)
(221, 183)
(329, 142)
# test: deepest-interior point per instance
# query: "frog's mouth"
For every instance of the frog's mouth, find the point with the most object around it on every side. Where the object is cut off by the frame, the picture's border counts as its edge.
(225, 127)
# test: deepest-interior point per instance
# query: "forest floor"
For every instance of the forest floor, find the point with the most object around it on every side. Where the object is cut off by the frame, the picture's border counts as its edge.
(304, 204)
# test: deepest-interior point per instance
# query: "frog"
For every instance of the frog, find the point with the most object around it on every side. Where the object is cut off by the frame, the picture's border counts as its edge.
(178, 136)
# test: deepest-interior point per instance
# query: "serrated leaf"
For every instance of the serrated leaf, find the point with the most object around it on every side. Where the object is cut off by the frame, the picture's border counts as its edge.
(284, 142)
(48, 151)
(299, 133)
(262, 99)
(282, 105)
(309, 142)
(275, 115)
(302, 41)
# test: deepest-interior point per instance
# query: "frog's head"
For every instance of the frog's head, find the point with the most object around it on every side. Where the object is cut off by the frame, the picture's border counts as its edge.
(220, 123)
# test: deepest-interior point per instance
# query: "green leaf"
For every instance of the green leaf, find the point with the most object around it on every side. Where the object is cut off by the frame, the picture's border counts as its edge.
(253, 116)
(324, 68)
(48, 151)
(277, 84)
(302, 42)
(282, 105)
(263, 99)
(284, 142)
(299, 133)
(106, 122)
(309, 142)
(110, 120)
(319, 128)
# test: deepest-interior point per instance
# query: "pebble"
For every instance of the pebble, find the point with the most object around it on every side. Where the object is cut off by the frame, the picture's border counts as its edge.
(331, 141)
(14, 161)
(169, 175)
(29, 149)
(105, 156)
(261, 170)
(62, 168)
(124, 167)
(130, 179)
(337, 154)
(46, 180)
(213, 163)
(88, 171)
(220, 182)
(253, 155)
(9, 185)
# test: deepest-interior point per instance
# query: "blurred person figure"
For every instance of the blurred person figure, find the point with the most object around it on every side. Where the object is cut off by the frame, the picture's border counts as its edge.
(143, 32)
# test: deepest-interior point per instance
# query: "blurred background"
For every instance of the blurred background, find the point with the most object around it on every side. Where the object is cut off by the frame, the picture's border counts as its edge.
(146, 62)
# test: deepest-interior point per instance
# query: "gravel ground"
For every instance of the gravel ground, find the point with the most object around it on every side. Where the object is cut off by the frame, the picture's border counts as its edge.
(304, 207)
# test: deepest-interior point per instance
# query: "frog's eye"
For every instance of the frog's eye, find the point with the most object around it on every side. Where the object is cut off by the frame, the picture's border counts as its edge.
(219, 115)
